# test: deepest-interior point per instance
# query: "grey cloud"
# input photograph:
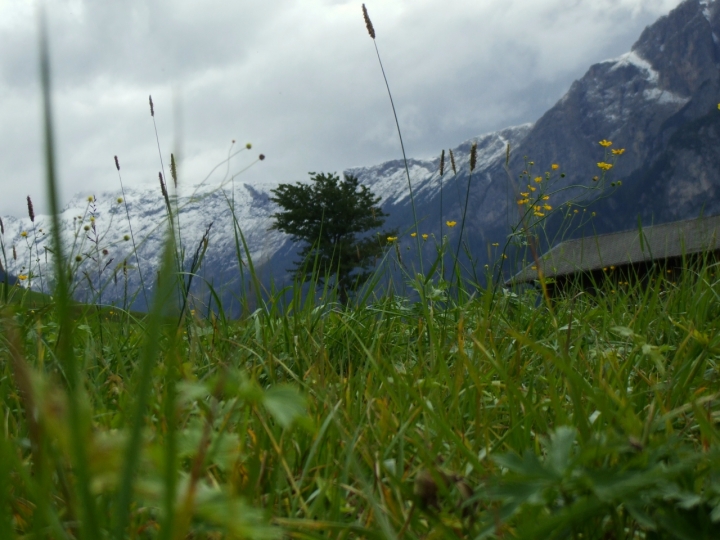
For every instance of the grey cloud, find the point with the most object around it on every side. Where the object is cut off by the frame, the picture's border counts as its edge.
(298, 79)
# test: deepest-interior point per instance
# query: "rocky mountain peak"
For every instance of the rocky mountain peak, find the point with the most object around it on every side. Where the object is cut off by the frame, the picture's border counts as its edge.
(683, 46)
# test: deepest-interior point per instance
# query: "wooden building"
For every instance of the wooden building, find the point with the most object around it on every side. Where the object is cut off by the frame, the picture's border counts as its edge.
(626, 256)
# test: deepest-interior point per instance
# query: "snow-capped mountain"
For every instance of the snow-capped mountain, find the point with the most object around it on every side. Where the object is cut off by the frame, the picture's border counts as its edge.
(659, 102)
(99, 231)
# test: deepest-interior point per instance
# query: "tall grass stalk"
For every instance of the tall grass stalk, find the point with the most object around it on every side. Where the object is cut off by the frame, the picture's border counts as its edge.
(416, 224)
(471, 168)
(148, 358)
(78, 422)
(132, 235)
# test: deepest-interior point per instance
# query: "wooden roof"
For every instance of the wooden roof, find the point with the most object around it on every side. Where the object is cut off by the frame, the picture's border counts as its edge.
(654, 243)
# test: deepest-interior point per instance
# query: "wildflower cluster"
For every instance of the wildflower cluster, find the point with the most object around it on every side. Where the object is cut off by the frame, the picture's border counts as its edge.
(534, 200)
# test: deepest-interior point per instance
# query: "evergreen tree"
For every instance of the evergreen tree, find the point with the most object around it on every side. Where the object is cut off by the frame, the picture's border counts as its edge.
(332, 217)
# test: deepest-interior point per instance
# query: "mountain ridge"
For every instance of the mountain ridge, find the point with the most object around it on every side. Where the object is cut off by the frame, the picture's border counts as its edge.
(656, 101)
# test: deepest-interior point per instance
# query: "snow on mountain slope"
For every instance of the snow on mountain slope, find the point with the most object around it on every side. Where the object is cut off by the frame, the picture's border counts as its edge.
(389, 179)
(98, 240)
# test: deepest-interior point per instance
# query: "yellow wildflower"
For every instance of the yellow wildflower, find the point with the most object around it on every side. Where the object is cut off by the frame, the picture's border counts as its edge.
(546, 197)
(526, 194)
(523, 201)
(554, 166)
(496, 244)
(605, 143)
(91, 198)
(22, 277)
(413, 234)
(538, 179)
(424, 236)
(547, 207)
(605, 166)
(451, 223)
(618, 151)
(119, 200)
(531, 188)
(23, 234)
(539, 214)
(391, 238)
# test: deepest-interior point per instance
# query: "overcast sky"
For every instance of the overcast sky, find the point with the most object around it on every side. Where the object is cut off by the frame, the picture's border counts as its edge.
(299, 79)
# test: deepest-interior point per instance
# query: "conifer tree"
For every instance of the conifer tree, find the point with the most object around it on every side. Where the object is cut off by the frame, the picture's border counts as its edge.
(332, 217)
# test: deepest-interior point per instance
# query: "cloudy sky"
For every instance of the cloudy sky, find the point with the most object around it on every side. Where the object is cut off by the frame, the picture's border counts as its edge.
(299, 79)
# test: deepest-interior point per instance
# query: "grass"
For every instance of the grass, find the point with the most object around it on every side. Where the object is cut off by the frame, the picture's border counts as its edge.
(490, 413)
(597, 418)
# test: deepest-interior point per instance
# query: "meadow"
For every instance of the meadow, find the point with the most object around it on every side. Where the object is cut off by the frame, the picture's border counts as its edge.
(471, 410)
(499, 416)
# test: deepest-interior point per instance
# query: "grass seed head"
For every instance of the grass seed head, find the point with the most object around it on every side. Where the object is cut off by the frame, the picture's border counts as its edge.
(14, 254)
(452, 162)
(473, 156)
(173, 169)
(2, 227)
(162, 185)
(368, 22)
(442, 162)
(152, 109)
(117, 163)
(31, 210)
